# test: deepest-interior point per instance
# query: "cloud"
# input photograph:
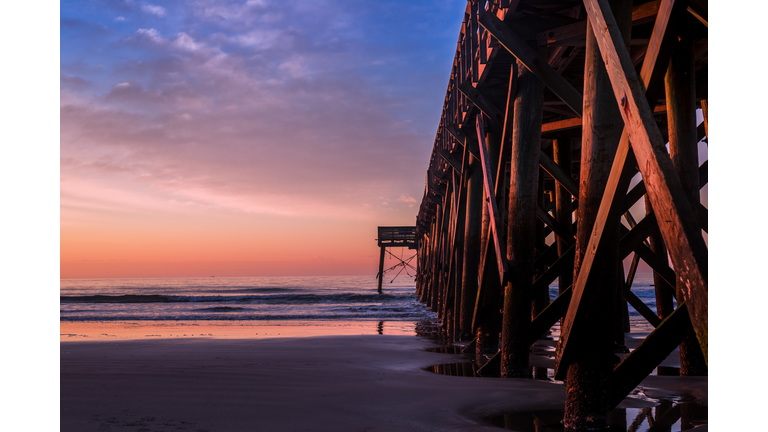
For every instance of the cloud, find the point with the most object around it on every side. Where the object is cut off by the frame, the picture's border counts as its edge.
(151, 35)
(153, 10)
(239, 108)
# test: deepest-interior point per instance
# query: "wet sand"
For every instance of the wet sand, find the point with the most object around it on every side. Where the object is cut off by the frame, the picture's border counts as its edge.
(363, 382)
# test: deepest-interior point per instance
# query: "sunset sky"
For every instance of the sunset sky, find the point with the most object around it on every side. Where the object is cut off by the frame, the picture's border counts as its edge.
(235, 138)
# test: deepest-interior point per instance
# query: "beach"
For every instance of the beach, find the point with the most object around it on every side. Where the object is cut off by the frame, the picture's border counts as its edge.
(223, 377)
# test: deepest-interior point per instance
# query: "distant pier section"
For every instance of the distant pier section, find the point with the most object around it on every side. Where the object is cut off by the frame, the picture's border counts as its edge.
(395, 236)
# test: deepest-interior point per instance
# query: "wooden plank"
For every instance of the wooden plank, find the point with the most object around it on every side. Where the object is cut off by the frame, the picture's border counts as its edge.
(678, 224)
(658, 264)
(556, 227)
(463, 140)
(578, 31)
(537, 65)
(558, 174)
(561, 125)
(563, 263)
(455, 164)
(607, 217)
(490, 201)
(637, 234)
(638, 190)
(699, 9)
(549, 316)
(652, 350)
(482, 103)
(641, 307)
(652, 73)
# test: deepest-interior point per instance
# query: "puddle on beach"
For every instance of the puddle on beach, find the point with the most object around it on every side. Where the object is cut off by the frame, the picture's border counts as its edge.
(675, 415)
(470, 369)
(668, 415)
(446, 350)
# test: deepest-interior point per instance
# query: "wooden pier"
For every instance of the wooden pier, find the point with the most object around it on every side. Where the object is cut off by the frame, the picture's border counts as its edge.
(552, 108)
(396, 236)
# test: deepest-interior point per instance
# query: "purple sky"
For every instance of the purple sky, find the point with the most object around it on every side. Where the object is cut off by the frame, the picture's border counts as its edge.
(321, 112)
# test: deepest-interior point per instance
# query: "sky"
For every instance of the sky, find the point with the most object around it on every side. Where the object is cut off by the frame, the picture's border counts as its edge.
(245, 138)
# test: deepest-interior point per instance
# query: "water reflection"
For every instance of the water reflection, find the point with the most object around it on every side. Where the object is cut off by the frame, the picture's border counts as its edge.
(446, 350)
(668, 416)
(474, 369)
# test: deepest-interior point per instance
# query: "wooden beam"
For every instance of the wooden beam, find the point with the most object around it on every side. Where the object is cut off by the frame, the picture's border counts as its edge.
(482, 103)
(531, 59)
(490, 200)
(677, 222)
(455, 164)
(558, 174)
(699, 9)
(641, 307)
(549, 316)
(578, 31)
(561, 125)
(463, 140)
(652, 350)
(556, 227)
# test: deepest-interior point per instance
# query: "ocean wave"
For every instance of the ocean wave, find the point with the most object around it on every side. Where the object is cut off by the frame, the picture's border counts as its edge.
(220, 309)
(253, 299)
(400, 316)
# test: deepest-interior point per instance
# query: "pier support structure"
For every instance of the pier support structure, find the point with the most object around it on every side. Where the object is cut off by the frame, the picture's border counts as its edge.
(390, 237)
(545, 101)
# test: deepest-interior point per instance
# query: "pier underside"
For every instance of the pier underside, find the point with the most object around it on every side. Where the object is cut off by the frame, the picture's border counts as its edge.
(568, 150)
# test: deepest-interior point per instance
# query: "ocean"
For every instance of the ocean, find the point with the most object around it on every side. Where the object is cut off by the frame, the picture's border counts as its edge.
(267, 299)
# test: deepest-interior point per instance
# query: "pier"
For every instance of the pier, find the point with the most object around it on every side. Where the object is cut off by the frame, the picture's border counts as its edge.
(555, 123)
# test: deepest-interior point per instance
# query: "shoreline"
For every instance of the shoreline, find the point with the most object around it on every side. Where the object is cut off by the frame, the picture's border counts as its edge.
(307, 377)
(71, 331)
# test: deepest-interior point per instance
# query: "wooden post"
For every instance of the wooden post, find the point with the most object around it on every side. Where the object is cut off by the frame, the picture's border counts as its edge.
(472, 239)
(524, 175)
(589, 373)
(561, 148)
(662, 288)
(381, 266)
(539, 295)
(683, 148)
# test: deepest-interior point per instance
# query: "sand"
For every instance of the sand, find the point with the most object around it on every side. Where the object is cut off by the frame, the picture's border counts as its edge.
(364, 382)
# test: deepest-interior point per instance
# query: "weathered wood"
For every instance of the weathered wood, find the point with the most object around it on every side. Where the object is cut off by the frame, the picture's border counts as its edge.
(486, 318)
(649, 353)
(381, 266)
(455, 164)
(677, 221)
(561, 232)
(472, 240)
(590, 364)
(561, 148)
(495, 218)
(549, 316)
(680, 88)
(529, 58)
(464, 140)
(524, 170)
(559, 175)
(502, 175)
(641, 307)
(578, 31)
(482, 103)
(699, 9)
(561, 125)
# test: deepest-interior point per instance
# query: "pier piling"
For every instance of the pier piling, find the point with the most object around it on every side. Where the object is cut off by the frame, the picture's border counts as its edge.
(545, 122)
